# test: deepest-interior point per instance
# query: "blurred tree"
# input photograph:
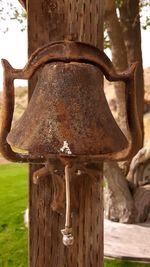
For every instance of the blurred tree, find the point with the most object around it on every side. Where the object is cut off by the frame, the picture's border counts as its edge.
(122, 22)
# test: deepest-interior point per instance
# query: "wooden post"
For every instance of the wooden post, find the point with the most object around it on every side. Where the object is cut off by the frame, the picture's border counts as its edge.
(51, 20)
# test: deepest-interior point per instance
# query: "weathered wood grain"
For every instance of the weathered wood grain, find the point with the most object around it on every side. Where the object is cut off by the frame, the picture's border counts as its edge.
(127, 241)
(52, 20)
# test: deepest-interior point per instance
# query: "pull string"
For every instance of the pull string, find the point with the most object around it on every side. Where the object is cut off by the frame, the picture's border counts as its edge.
(67, 180)
(68, 238)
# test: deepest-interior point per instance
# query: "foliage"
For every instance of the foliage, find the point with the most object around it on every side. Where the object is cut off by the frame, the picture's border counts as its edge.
(13, 199)
(11, 10)
(19, 16)
(145, 8)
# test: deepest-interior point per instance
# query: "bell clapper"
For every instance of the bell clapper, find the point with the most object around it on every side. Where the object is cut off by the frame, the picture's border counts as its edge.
(68, 238)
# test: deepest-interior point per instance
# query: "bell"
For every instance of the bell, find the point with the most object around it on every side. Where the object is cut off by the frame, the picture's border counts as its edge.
(68, 115)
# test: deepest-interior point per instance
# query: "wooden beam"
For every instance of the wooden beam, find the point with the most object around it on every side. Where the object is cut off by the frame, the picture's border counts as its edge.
(129, 242)
(50, 21)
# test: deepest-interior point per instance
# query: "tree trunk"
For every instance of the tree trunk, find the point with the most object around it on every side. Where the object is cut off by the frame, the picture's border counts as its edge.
(114, 210)
(130, 23)
(119, 58)
(52, 21)
(139, 177)
(125, 42)
(139, 173)
(142, 204)
(118, 202)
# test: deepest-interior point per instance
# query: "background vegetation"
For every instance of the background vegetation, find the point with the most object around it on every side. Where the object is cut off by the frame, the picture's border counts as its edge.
(13, 202)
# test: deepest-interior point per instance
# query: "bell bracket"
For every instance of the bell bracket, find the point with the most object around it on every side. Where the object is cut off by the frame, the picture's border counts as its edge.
(67, 182)
(68, 51)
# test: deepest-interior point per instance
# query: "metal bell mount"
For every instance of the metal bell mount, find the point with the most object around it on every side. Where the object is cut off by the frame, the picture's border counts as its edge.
(68, 116)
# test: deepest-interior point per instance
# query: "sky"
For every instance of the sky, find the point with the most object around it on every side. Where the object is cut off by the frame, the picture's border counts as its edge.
(13, 47)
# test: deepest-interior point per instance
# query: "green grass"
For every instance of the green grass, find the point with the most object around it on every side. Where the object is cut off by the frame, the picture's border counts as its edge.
(13, 234)
(13, 202)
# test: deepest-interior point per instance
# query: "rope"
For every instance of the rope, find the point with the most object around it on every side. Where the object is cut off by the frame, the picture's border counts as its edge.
(68, 238)
(67, 180)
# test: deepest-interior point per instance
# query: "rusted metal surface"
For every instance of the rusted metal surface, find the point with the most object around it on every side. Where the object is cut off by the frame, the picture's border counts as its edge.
(68, 115)
(68, 51)
(6, 120)
(61, 122)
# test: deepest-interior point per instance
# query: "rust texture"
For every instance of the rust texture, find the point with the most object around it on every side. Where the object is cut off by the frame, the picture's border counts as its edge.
(68, 115)
(68, 93)
(6, 120)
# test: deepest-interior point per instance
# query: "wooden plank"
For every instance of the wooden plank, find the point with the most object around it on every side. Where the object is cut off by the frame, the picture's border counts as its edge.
(51, 21)
(127, 241)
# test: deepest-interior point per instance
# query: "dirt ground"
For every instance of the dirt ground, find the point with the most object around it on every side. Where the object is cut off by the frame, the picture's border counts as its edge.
(4, 161)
